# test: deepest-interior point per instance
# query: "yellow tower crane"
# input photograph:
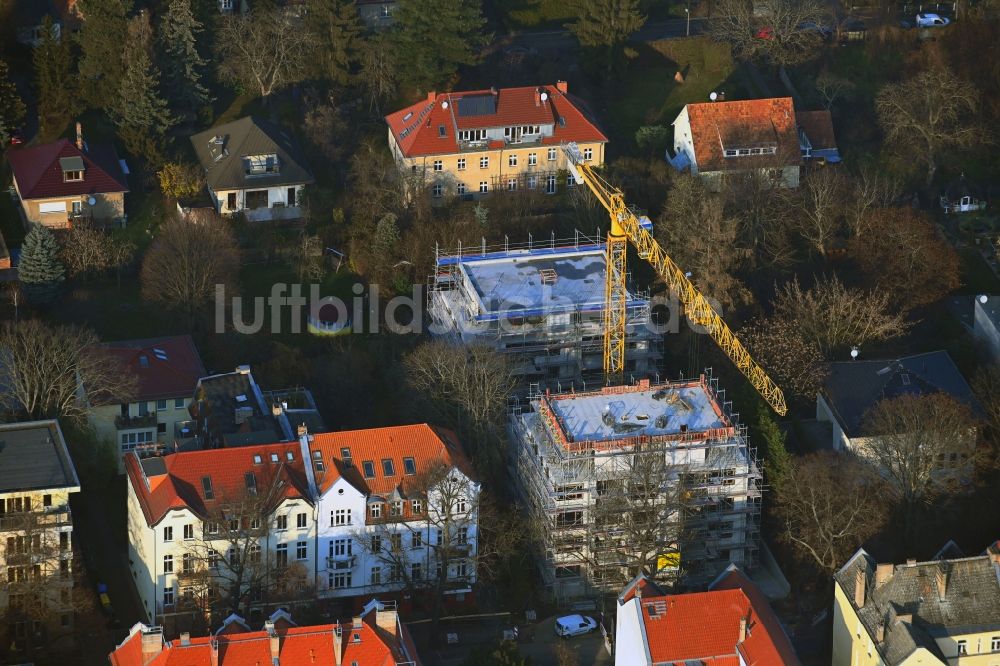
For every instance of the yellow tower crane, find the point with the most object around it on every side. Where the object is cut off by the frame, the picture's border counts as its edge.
(626, 227)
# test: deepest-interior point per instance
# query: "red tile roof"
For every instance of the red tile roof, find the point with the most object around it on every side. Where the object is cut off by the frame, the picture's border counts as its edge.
(743, 124)
(175, 481)
(818, 127)
(39, 175)
(416, 128)
(164, 367)
(425, 444)
(706, 626)
(296, 645)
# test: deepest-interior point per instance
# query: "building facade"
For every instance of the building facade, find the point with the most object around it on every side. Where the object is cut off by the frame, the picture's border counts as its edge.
(631, 478)
(542, 307)
(941, 612)
(37, 478)
(474, 143)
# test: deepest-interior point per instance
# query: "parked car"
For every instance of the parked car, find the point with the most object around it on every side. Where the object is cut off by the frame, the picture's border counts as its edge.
(927, 20)
(825, 32)
(574, 625)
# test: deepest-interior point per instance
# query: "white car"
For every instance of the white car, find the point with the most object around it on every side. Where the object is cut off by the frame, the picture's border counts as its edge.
(932, 21)
(574, 625)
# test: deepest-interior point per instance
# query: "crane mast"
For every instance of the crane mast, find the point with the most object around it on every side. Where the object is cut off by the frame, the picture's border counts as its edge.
(625, 228)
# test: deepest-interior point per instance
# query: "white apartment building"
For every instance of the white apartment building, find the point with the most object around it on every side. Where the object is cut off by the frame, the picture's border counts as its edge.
(196, 519)
(397, 508)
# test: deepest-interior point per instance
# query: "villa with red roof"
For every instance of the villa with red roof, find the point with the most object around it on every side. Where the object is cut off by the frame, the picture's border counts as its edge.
(731, 624)
(63, 182)
(167, 371)
(476, 142)
(376, 637)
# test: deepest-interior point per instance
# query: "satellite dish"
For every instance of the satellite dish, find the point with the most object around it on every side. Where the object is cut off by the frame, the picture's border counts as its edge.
(91, 201)
(713, 96)
(854, 353)
(544, 96)
(983, 298)
(444, 105)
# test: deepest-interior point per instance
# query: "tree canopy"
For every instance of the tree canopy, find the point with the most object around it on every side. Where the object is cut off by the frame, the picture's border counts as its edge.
(435, 37)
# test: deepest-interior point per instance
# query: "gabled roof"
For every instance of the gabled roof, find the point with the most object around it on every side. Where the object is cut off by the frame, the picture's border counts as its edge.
(176, 481)
(818, 128)
(716, 126)
(854, 387)
(246, 137)
(418, 127)
(770, 644)
(167, 367)
(425, 444)
(39, 174)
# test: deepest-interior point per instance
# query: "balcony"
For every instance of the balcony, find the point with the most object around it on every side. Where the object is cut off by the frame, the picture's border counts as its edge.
(132, 422)
(340, 562)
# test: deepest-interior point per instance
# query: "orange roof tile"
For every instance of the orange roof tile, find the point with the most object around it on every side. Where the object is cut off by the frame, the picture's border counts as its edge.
(417, 128)
(425, 444)
(175, 481)
(743, 124)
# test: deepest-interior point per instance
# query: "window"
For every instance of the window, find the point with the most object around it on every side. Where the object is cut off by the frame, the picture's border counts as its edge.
(340, 579)
(461, 505)
(300, 520)
(206, 487)
(253, 552)
(461, 164)
(416, 540)
(178, 403)
(461, 569)
(588, 154)
(375, 510)
(409, 466)
(255, 523)
(484, 187)
(369, 469)
(376, 576)
(63, 541)
(462, 536)
(212, 527)
(532, 159)
(131, 439)
(532, 182)
(72, 176)
(257, 165)
(552, 154)
(340, 517)
(416, 507)
(439, 537)
(385, 11)
(343, 547)
(161, 405)
(387, 467)
(437, 191)
(168, 533)
(570, 180)
(168, 596)
(188, 532)
(484, 162)
(187, 563)
(376, 545)
(512, 184)
(396, 508)
(395, 542)
(300, 550)
(550, 185)
(281, 554)
(963, 648)
(281, 523)
(213, 559)
(512, 160)
(274, 457)
(472, 135)
(46, 500)
(395, 573)
(416, 571)
(438, 165)
(168, 564)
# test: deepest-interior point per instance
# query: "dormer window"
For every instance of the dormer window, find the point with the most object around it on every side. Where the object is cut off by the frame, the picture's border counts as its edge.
(259, 165)
(72, 169)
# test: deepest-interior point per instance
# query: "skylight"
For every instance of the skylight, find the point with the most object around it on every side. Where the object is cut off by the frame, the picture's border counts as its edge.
(206, 486)
(369, 469)
(387, 468)
(409, 466)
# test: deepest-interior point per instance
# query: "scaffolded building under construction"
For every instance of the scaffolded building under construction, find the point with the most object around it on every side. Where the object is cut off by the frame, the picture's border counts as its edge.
(541, 304)
(653, 477)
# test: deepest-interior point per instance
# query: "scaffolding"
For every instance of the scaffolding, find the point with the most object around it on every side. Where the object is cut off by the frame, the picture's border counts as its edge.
(707, 497)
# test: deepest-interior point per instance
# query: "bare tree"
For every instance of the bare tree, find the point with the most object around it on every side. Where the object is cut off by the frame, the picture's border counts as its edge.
(830, 88)
(765, 217)
(325, 127)
(186, 262)
(309, 258)
(831, 315)
(376, 183)
(986, 385)
(828, 505)
(378, 71)
(56, 371)
(871, 189)
(795, 363)
(823, 197)
(928, 114)
(263, 50)
(925, 446)
(770, 31)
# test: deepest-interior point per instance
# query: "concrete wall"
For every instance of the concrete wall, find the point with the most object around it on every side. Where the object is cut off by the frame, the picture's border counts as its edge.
(102, 418)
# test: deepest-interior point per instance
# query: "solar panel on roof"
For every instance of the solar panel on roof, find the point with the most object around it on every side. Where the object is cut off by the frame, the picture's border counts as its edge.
(477, 105)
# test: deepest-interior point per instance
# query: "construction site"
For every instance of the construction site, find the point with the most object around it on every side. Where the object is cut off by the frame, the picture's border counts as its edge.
(654, 477)
(542, 305)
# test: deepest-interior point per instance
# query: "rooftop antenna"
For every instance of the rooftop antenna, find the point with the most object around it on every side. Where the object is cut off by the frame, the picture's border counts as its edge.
(983, 298)
(854, 353)
(444, 104)
(713, 95)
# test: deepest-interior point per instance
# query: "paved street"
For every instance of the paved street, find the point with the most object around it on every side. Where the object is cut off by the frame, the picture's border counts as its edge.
(562, 40)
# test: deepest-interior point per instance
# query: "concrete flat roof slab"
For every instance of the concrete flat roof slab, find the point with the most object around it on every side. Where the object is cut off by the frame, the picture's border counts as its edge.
(34, 457)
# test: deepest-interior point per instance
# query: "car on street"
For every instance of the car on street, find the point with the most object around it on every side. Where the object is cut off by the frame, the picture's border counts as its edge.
(574, 625)
(928, 20)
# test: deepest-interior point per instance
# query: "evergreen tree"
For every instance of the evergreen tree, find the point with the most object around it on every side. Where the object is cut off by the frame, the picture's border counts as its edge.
(102, 38)
(336, 32)
(607, 25)
(140, 113)
(778, 460)
(40, 271)
(435, 37)
(182, 64)
(54, 81)
(11, 107)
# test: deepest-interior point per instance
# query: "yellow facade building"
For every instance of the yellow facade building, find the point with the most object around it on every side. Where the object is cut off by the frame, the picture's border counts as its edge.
(941, 612)
(476, 143)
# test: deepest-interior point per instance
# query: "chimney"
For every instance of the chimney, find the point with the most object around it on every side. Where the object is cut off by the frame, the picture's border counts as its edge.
(152, 644)
(185, 638)
(994, 557)
(338, 644)
(941, 578)
(243, 369)
(214, 646)
(562, 87)
(910, 562)
(357, 622)
(431, 95)
(276, 409)
(883, 572)
(273, 639)
(301, 430)
(79, 136)
(859, 589)
(387, 620)
(743, 631)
